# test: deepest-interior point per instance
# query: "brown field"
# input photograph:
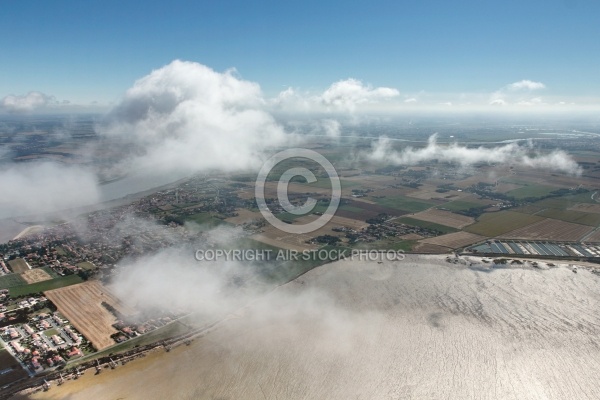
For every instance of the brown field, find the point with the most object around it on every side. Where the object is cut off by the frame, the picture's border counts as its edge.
(550, 229)
(373, 181)
(82, 305)
(429, 248)
(444, 218)
(594, 237)
(585, 207)
(411, 236)
(388, 192)
(454, 240)
(35, 275)
(283, 240)
(18, 265)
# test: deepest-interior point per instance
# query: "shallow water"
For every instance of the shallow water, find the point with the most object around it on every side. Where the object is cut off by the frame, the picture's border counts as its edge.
(418, 329)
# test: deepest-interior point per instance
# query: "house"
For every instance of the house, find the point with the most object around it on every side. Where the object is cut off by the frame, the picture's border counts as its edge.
(36, 364)
(57, 340)
(28, 329)
(17, 346)
(58, 359)
(74, 352)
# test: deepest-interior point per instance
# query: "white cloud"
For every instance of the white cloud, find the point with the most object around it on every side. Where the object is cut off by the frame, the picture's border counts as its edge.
(410, 100)
(44, 187)
(526, 84)
(348, 94)
(331, 127)
(26, 103)
(345, 96)
(382, 151)
(187, 117)
(517, 93)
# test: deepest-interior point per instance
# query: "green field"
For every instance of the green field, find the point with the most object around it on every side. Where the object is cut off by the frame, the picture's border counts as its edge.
(51, 332)
(498, 223)
(86, 265)
(11, 280)
(206, 221)
(460, 205)
(404, 203)
(50, 272)
(531, 191)
(18, 265)
(38, 287)
(577, 217)
(426, 224)
(350, 208)
(582, 198)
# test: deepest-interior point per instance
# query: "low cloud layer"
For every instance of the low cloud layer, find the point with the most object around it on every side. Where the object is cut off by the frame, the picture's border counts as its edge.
(513, 153)
(37, 188)
(29, 102)
(216, 290)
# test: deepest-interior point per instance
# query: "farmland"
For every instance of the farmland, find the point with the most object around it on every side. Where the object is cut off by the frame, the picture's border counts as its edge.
(18, 265)
(594, 237)
(531, 191)
(460, 205)
(404, 203)
(444, 218)
(426, 224)
(454, 240)
(39, 287)
(577, 217)
(550, 229)
(498, 223)
(11, 280)
(90, 318)
(86, 265)
(587, 207)
(35, 275)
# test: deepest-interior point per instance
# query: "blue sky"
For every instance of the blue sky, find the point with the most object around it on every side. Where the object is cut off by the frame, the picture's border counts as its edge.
(94, 50)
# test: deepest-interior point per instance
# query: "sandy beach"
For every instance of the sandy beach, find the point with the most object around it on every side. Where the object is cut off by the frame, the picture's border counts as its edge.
(28, 231)
(418, 328)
